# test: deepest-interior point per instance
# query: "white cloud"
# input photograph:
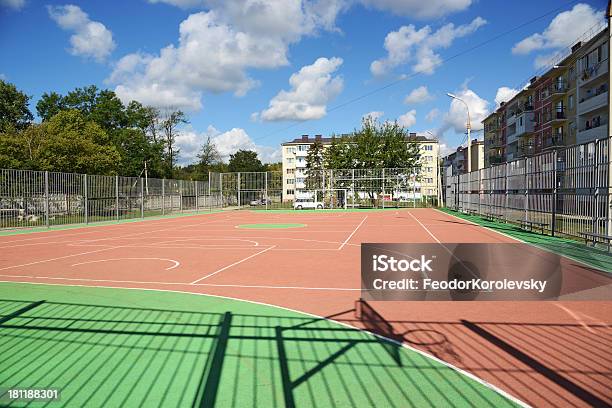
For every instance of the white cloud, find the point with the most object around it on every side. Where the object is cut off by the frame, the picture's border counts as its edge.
(565, 29)
(456, 117)
(90, 39)
(184, 4)
(190, 142)
(419, 46)
(504, 94)
(12, 4)
(418, 95)
(546, 60)
(312, 88)
(445, 149)
(374, 115)
(432, 114)
(408, 119)
(418, 8)
(216, 49)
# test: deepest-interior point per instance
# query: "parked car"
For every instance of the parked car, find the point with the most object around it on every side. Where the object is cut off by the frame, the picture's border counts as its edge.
(261, 201)
(300, 204)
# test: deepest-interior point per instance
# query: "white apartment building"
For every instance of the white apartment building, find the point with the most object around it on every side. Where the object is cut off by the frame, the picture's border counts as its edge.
(294, 164)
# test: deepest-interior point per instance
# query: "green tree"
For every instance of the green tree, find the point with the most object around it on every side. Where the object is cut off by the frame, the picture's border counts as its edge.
(169, 126)
(74, 144)
(245, 160)
(208, 156)
(338, 154)
(314, 166)
(274, 166)
(14, 110)
(49, 105)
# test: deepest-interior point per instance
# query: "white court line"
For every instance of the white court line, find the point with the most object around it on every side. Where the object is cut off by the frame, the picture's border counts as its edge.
(175, 239)
(575, 316)
(427, 229)
(343, 324)
(176, 263)
(55, 259)
(173, 246)
(352, 233)
(230, 265)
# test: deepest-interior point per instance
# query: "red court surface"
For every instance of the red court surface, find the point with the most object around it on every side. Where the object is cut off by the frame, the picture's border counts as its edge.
(544, 353)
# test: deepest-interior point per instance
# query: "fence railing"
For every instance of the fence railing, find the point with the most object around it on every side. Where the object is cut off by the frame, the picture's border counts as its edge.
(38, 198)
(31, 198)
(567, 189)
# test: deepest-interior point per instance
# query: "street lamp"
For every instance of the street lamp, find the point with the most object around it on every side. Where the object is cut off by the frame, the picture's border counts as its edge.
(468, 126)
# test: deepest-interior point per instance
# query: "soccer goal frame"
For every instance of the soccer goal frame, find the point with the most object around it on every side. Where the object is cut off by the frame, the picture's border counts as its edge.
(333, 198)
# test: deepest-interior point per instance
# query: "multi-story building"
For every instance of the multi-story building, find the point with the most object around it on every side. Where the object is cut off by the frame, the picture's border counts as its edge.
(564, 106)
(456, 162)
(593, 82)
(294, 163)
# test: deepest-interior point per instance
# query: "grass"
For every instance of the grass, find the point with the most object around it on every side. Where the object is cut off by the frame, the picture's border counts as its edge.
(120, 347)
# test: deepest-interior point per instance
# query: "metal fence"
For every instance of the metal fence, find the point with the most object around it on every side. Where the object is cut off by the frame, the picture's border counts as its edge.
(37, 198)
(382, 187)
(567, 189)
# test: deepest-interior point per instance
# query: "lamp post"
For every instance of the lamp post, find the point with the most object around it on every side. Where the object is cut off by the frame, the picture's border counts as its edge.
(468, 126)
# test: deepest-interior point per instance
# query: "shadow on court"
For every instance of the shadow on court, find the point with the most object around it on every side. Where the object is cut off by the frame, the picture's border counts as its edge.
(543, 364)
(103, 355)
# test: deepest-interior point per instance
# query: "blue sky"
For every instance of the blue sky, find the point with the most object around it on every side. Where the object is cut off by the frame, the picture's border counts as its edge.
(254, 73)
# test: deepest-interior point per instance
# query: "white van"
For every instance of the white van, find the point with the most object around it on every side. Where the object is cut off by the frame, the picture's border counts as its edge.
(305, 203)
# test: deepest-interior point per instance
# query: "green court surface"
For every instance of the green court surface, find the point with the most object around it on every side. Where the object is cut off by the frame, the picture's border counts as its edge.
(270, 226)
(572, 249)
(120, 347)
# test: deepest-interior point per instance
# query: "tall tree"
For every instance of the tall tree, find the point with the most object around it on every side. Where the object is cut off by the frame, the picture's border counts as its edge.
(314, 166)
(49, 105)
(14, 110)
(208, 156)
(75, 144)
(338, 154)
(245, 160)
(169, 125)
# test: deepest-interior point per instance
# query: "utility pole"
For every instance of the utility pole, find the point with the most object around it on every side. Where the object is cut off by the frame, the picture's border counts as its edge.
(468, 127)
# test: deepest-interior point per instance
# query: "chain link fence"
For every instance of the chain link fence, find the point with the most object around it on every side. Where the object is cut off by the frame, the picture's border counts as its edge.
(566, 190)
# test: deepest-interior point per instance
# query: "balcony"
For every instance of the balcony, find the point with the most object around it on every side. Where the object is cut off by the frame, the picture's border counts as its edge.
(526, 150)
(559, 88)
(491, 128)
(593, 72)
(592, 133)
(593, 101)
(527, 107)
(557, 115)
(496, 159)
(551, 142)
(495, 143)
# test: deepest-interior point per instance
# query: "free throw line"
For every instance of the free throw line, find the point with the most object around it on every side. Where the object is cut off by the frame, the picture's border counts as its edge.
(230, 265)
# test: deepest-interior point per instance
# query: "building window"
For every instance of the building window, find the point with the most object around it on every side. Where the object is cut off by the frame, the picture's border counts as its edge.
(570, 101)
(290, 160)
(290, 181)
(303, 148)
(290, 171)
(299, 179)
(289, 192)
